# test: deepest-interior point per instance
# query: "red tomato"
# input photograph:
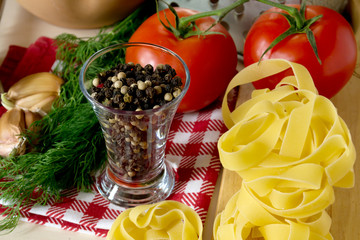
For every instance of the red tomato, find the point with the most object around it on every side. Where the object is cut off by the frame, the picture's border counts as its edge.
(211, 59)
(334, 39)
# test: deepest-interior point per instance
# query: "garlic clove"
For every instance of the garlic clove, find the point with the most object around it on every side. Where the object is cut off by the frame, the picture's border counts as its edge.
(30, 101)
(33, 84)
(44, 106)
(12, 124)
(31, 117)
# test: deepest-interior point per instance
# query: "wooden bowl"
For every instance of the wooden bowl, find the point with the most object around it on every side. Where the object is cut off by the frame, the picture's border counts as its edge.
(80, 14)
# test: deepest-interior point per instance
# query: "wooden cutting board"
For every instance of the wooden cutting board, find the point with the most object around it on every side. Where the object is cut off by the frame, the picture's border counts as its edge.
(345, 212)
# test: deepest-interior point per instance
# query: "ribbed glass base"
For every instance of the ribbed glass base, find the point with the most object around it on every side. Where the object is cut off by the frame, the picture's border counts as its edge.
(131, 195)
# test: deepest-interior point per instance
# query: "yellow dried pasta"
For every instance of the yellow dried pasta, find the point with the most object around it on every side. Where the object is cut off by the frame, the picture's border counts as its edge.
(290, 148)
(163, 220)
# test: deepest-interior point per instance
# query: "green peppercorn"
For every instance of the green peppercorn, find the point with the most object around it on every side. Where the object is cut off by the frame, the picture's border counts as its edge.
(128, 98)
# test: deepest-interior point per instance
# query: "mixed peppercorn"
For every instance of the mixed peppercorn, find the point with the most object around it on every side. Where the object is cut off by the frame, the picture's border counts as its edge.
(133, 87)
(135, 141)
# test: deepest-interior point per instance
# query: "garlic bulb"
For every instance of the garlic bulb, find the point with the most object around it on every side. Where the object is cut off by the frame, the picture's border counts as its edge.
(35, 92)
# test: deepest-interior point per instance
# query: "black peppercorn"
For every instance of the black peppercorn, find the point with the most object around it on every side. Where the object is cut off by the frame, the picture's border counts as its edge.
(148, 78)
(132, 89)
(167, 77)
(167, 67)
(172, 72)
(130, 81)
(117, 99)
(108, 92)
(150, 92)
(138, 68)
(140, 77)
(100, 96)
(122, 106)
(167, 88)
(155, 82)
(176, 81)
(139, 93)
(136, 102)
(145, 106)
(131, 107)
(116, 91)
(108, 83)
(113, 104)
(108, 73)
(95, 89)
(149, 68)
(130, 74)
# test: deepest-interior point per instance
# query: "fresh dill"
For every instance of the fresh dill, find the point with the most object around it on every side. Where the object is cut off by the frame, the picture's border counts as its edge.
(69, 147)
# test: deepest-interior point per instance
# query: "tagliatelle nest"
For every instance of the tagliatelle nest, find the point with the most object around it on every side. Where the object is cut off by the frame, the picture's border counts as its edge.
(164, 220)
(291, 148)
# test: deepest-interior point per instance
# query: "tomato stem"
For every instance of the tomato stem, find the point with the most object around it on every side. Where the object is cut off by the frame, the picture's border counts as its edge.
(298, 25)
(221, 13)
(186, 27)
(295, 13)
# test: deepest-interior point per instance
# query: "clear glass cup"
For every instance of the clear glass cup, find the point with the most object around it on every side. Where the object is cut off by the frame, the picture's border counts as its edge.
(136, 171)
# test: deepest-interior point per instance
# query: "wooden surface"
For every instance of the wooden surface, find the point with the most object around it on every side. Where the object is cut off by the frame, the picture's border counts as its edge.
(345, 211)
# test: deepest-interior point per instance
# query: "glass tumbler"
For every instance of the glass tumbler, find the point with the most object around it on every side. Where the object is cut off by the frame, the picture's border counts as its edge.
(136, 171)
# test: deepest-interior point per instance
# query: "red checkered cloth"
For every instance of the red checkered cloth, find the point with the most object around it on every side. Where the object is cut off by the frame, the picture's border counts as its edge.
(192, 151)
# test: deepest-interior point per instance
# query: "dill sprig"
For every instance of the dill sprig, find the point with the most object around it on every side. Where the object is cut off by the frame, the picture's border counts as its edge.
(68, 147)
